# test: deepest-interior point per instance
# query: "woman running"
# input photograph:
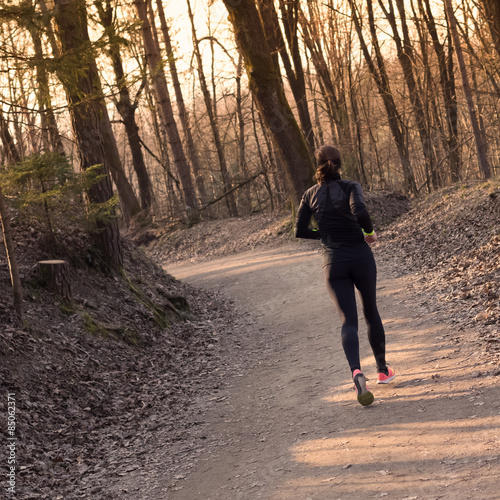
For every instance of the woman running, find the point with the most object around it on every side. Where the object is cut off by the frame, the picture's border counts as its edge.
(345, 228)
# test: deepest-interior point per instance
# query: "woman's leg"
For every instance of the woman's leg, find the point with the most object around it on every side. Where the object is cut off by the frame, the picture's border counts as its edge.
(365, 279)
(341, 290)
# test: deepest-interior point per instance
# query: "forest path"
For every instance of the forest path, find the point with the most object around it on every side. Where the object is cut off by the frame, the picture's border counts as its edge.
(288, 425)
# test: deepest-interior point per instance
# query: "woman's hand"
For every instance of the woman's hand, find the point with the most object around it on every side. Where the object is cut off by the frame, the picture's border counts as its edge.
(371, 238)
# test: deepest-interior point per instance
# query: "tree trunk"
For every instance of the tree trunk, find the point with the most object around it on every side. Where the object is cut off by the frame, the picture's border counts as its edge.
(183, 113)
(382, 81)
(17, 290)
(230, 199)
(129, 203)
(9, 145)
(241, 140)
(125, 106)
(334, 102)
(295, 72)
(155, 64)
(492, 11)
(406, 59)
(50, 132)
(265, 85)
(481, 148)
(83, 88)
(263, 165)
(54, 274)
(447, 83)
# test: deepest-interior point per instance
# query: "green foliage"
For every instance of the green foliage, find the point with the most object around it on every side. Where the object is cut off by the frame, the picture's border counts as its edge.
(45, 186)
(98, 215)
(159, 315)
(92, 327)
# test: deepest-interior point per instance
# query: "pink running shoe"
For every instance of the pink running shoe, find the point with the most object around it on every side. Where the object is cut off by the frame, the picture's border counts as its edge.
(382, 378)
(365, 397)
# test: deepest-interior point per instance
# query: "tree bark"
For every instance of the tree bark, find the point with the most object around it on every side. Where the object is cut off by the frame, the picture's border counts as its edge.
(155, 64)
(54, 274)
(226, 180)
(83, 88)
(294, 72)
(125, 106)
(481, 148)
(382, 81)
(181, 107)
(265, 85)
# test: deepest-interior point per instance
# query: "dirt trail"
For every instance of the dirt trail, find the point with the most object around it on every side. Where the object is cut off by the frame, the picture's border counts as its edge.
(288, 426)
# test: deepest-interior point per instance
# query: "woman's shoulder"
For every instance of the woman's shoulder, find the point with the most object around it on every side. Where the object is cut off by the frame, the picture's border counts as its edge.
(349, 185)
(312, 190)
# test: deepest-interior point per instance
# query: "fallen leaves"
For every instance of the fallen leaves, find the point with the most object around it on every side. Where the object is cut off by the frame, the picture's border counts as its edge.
(90, 403)
(451, 242)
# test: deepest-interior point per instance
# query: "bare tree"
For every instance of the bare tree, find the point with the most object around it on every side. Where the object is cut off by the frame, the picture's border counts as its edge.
(181, 106)
(12, 156)
(406, 57)
(482, 151)
(289, 52)
(211, 106)
(492, 11)
(125, 105)
(155, 64)
(381, 78)
(265, 85)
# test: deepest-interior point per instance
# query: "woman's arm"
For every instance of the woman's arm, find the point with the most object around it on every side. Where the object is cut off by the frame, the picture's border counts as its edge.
(358, 209)
(302, 229)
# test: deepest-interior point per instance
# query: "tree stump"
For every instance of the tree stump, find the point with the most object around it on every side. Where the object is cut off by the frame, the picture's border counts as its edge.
(54, 274)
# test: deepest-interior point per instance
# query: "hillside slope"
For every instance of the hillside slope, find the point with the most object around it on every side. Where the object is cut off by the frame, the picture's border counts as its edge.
(451, 241)
(92, 378)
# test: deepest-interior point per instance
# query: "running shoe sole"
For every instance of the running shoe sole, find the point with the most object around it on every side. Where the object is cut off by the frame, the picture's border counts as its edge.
(365, 397)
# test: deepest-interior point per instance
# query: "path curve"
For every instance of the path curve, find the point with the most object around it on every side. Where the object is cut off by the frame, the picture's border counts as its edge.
(288, 426)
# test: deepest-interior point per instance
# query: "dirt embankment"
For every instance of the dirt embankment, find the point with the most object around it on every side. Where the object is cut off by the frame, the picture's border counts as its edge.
(93, 378)
(451, 241)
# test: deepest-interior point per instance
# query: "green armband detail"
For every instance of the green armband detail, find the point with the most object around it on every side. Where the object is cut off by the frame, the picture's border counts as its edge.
(368, 234)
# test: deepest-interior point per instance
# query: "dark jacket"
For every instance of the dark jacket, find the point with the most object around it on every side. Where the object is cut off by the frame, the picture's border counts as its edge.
(339, 209)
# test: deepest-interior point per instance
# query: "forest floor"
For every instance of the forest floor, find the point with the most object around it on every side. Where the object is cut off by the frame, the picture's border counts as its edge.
(246, 394)
(286, 424)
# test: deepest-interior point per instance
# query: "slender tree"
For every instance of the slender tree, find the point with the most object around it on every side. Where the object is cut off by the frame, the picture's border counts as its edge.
(70, 79)
(381, 78)
(265, 85)
(181, 106)
(12, 156)
(406, 57)
(448, 88)
(492, 12)
(125, 105)
(155, 65)
(212, 116)
(290, 55)
(481, 147)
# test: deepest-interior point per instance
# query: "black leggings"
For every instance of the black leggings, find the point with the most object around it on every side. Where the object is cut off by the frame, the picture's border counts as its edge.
(341, 278)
